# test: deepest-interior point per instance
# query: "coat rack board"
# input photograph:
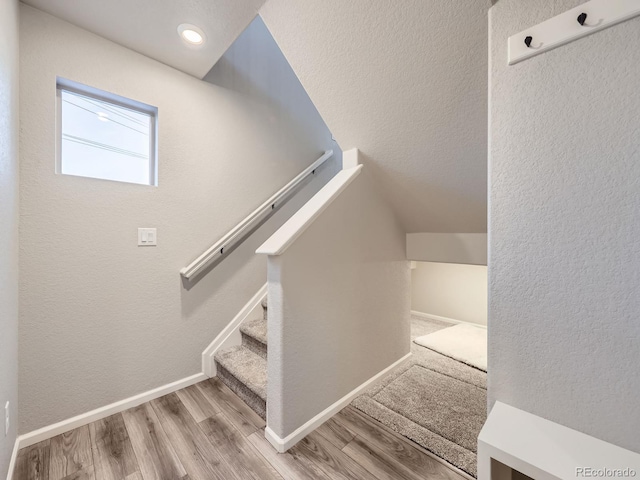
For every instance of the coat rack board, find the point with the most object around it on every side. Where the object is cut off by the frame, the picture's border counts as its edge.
(571, 25)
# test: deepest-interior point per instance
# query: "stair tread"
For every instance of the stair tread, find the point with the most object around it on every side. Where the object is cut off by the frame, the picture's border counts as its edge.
(246, 366)
(256, 329)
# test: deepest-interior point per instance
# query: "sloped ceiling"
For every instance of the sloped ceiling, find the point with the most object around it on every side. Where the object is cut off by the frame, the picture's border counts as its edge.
(405, 81)
(150, 26)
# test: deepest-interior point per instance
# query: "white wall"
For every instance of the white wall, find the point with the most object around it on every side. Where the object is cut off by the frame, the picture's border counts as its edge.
(8, 225)
(449, 290)
(100, 318)
(406, 83)
(564, 251)
(338, 306)
(467, 248)
(255, 67)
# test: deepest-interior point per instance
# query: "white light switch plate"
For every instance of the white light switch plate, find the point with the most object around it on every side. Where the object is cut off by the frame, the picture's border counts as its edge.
(147, 237)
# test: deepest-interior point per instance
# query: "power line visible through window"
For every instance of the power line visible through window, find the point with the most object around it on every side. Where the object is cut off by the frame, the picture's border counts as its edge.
(105, 136)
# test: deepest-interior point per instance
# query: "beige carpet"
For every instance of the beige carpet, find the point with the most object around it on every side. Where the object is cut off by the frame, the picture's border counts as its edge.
(433, 400)
(464, 342)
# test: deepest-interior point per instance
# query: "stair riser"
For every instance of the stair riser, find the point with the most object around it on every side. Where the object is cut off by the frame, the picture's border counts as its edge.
(252, 340)
(256, 403)
(254, 345)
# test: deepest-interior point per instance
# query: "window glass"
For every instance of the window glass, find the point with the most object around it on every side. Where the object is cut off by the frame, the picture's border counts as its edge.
(100, 139)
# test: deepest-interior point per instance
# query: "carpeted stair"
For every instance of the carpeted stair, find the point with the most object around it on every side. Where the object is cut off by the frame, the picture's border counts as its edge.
(243, 368)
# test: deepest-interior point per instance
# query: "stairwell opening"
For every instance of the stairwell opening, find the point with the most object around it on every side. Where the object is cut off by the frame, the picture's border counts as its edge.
(438, 399)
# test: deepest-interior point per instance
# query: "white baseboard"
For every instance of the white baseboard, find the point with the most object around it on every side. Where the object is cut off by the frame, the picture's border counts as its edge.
(64, 426)
(230, 336)
(14, 456)
(443, 319)
(284, 444)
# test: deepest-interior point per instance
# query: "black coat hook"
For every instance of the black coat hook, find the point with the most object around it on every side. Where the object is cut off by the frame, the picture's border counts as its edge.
(528, 40)
(582, 18)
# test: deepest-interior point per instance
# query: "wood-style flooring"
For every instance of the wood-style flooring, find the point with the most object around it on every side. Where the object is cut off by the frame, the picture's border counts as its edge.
(205, 432)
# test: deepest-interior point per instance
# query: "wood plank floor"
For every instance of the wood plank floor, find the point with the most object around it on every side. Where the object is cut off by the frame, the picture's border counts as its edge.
(205, 432)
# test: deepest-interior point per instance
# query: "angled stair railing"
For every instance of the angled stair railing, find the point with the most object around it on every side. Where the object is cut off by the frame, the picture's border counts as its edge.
(238, 233)
(339, 267)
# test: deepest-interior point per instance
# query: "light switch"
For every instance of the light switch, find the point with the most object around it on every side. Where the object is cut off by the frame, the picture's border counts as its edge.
(147, 237)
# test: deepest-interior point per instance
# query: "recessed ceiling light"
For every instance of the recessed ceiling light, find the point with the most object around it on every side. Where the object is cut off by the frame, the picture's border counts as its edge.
(191, 34)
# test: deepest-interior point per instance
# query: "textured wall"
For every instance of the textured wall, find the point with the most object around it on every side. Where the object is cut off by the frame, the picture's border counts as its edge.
(450, 290)
(405, 82)
(100, 318)
(339, 306)
(8, 224)
(564, 231)
(254, 66)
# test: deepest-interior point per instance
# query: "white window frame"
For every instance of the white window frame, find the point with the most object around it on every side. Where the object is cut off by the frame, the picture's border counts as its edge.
(63, 84)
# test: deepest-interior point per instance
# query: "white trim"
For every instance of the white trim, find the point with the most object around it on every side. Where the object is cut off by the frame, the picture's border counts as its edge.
(444, 319)
(14, 456)
(92, 93)
(303, 218)
(64, 426)
(350, 158)
(545, 450)
(230, 336)
(284, 444)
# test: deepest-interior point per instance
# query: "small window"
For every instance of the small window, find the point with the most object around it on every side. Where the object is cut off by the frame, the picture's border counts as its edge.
(101, 135)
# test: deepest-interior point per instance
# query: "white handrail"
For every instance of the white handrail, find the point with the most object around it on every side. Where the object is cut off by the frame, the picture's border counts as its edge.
(226, 243)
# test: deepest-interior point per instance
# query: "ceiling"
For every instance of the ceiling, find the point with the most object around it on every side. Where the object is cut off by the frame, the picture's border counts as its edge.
(150, 26)
(406, 83)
